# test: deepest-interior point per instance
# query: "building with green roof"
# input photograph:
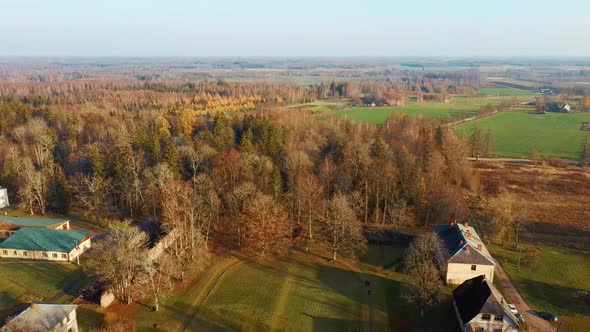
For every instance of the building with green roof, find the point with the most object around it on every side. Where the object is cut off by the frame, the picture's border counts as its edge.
(45, 244)
(10, 224)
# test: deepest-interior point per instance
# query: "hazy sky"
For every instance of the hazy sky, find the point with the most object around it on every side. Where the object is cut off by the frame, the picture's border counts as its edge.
(295, 28)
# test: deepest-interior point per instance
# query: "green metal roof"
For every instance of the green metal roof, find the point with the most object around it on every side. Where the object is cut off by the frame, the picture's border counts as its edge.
(44, 239)
(30, 222)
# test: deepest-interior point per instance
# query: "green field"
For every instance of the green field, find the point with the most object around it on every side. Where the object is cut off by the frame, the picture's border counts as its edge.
(504, 92)
(552, 285)
(518, 134)
(21, 282)
(300, 292)
(459, 106)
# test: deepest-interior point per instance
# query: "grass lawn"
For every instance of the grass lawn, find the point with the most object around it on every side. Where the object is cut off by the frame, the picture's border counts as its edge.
(552, 285)
(458, 107)
(504, 92)
(518, 134)
(37, 281)
(299, 292)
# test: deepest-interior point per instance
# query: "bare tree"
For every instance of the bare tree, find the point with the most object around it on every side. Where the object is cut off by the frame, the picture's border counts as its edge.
(423, 288)
(340, 229)
(94, 194)
(266, 225)
(118, 258)
(157, 273)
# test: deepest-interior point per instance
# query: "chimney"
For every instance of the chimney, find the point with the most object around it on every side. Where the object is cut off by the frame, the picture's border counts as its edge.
(466, 224)
(461, 242)
(469, 234)
(33, 305)
(479, 247)
(467, 248)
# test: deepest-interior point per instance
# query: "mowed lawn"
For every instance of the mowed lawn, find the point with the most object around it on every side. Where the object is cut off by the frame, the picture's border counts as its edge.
(458, 107)
(300, 292)
(518, 134)
(22, 282)
(552, 285)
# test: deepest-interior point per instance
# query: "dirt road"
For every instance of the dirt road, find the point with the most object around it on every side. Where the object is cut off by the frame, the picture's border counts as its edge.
(533, 322)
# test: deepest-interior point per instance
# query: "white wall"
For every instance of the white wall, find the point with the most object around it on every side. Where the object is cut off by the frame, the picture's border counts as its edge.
(84, 245)
(458, 273)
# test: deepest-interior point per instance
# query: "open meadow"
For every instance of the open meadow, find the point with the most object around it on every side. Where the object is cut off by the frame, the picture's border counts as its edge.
(552, 283)
(518, 134)
(22, 282)
(299, 292)
(459, 107)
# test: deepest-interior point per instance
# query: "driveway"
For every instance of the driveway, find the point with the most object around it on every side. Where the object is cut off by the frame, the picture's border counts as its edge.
(533, 322)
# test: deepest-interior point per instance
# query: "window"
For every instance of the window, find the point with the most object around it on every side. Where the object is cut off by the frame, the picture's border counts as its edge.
(15, 253)
(54, 255)
(44, 254)
(25, 253)
(473, 267)
(486, 317)
(499, 318)
(479, 329)
(4, 252)
(497, 330)
(64, 256)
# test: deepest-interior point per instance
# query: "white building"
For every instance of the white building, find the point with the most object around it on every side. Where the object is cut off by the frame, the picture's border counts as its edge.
(480, 307)
(4, 198)
(42, 317)
(464, 255)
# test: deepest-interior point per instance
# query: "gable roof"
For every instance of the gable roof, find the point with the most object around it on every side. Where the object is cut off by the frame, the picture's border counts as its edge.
(455, 240)
(40, 317)
(44, 239)
(30, 222)
(477, 295)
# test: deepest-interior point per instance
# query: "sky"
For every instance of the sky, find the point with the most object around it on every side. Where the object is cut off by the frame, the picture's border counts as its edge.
(294, 28)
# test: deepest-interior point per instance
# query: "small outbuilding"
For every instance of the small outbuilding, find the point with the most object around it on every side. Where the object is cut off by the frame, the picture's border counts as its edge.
(4, 197)
(42, 317)
(10, 224)
(45, 244)
(480, 307)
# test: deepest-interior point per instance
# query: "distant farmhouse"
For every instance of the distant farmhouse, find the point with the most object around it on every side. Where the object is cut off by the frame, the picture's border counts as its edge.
(480, 307)
(41, 317)
(559, 108)
(464, 255)
(3, 197)
(9, 225)
(45, 244)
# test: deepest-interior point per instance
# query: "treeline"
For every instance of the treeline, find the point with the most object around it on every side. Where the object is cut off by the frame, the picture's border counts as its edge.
(390, 174)
(259, 181)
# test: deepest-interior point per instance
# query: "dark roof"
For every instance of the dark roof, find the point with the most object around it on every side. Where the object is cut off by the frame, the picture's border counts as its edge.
(31, 222)
(471, 256)
(44, 239)
(455, 244)
(477, 295)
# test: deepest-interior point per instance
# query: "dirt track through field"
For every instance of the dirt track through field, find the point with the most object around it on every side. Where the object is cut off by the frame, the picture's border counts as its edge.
(533, 322)
(205, 293)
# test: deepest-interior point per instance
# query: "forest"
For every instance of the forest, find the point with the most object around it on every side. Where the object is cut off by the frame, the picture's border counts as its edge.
(213, 160)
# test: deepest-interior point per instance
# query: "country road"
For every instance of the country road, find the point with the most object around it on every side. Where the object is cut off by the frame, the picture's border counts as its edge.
(532, 321)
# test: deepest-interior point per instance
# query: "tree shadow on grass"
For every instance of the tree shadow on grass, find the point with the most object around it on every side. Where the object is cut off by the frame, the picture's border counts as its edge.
(557, 299)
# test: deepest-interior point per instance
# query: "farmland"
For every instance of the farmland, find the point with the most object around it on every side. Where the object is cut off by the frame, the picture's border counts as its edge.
(37, 281)
(503, 92)
(458, 107)
(552, 283)
(519, 134)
